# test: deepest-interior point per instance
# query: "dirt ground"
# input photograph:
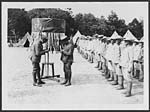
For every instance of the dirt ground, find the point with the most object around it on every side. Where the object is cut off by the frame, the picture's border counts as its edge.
(89, 89)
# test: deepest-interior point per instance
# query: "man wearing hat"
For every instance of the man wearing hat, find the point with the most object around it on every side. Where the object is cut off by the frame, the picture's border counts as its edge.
(100, 54)
(126, 62)
(141, 60)
(37, 52)
(116, 60)
(108, 56)
(137, 47)
(97, 57)
(67, 59)
(103, 58)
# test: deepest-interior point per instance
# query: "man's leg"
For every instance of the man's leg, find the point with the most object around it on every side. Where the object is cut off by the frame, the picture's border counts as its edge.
(120, 79)
(38, 74)
(135, 75)
(107, 70)
(111, 76)
(69, 73)
(115, 82)
(34, 77)
(141, 76)
(65, 73)
(34, 73)
(110, 71)
(128, 78)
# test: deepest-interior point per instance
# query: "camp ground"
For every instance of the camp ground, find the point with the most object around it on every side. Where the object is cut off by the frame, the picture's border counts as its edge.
(105, 50)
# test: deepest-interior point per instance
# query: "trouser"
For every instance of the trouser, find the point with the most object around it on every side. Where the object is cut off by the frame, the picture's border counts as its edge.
(141, 68)
(36, 72)
(67, 71)
(135, 69)
(92, 57)
(107, 72)
(110, 67)
(100, 61)
(104, 67)
(120, 77)
(115, 74)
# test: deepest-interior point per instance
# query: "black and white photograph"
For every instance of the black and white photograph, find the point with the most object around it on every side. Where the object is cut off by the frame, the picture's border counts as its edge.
(75, 55)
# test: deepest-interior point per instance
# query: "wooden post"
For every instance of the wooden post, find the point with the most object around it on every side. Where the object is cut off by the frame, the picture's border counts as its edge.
(45, 68)
(48, 56)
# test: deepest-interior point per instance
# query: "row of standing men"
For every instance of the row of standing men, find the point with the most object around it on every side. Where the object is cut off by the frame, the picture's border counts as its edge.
(119, 59)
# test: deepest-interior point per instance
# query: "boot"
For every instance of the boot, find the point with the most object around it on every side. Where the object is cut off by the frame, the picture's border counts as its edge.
(34, 77)
(69, 79)
(68, 84)
(120, 80)
(103, 69)
(100, 65)
(141, 76)
(65, 81)
(141, 79)
(111, 76)
(97, 65)
(91, 59)
(107, 76)
(41, 82)
(129, 88)
(39, 78)
(36, 84)
(115, 82)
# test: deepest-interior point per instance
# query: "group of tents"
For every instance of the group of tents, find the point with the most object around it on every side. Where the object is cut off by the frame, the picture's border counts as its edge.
(128, 35)
(27, 40)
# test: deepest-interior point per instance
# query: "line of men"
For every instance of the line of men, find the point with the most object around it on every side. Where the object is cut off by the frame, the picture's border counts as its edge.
(117, 58)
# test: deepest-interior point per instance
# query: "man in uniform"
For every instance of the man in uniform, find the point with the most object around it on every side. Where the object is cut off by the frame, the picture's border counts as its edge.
(126, 62)
(116, 60)
(141, 61)
(37, 51)
(67, 59)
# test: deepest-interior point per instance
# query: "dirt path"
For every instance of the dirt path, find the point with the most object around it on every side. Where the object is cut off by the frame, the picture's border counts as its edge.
(89, 89)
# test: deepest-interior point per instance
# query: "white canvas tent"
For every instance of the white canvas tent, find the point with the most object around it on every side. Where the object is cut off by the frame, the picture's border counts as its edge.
(76, 36)
(25, 41)
(129, 36)
(142, 39)
(115, 35)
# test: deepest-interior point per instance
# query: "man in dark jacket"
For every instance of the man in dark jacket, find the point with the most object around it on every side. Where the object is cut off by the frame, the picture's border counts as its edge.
(67, 59)
(37, 51)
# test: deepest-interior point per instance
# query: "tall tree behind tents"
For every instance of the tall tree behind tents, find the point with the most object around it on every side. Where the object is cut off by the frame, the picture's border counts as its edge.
(115, 24)
(86, 23)
(136, 28)
(19, 22)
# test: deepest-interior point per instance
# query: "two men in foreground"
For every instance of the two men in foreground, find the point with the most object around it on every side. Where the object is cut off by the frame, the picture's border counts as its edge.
(66, 58)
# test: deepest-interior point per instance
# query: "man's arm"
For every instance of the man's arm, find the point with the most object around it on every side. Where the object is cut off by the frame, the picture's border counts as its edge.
(39, 50)
(68, 50)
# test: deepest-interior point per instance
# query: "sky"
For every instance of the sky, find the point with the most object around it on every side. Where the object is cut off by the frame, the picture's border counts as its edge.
(124, 10)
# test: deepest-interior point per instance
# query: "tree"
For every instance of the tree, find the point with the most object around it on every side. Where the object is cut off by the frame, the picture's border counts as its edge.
(115, 24)
(54, 13)
(136, 28)
(101, 26)
(18, 22)
(86, 23)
